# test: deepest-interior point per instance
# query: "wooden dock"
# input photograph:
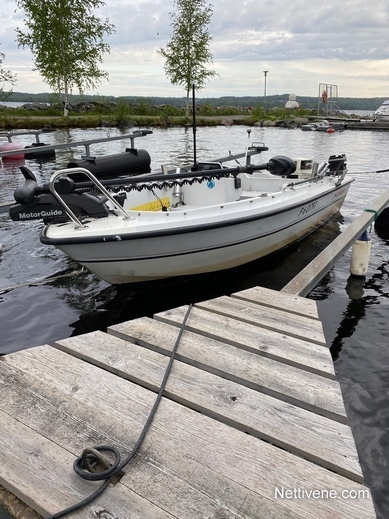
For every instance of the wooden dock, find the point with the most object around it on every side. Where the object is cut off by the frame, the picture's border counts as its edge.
(252, 423)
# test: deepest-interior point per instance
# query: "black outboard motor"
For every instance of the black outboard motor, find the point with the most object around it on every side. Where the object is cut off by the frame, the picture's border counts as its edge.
(337, 164)
(281, 165)
(34, 202)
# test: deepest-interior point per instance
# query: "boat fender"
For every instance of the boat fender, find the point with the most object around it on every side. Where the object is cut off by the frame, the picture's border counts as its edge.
(360, 255)
(10, 146)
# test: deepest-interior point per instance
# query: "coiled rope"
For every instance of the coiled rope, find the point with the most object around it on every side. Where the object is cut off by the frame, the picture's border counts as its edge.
(85, 463)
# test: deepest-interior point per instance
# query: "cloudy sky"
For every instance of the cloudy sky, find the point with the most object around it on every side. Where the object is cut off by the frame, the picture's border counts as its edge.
(301, 43)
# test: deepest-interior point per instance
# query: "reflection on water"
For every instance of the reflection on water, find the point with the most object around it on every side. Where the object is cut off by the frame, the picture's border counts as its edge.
(354, 315)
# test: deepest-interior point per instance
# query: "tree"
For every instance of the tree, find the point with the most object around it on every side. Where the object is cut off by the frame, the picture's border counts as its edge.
(6, 76)
(66, 40)
(187, 54)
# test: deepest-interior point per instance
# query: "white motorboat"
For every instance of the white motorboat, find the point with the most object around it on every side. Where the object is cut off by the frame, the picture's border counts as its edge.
(205, 219)
(382, 113)
(323, 126)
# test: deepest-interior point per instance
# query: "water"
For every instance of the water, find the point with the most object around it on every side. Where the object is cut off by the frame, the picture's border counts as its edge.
(37, 312)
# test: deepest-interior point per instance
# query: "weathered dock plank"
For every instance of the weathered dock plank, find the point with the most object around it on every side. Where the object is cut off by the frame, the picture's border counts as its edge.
(268, 318)
(279, 300)
(269, 343)
(190, 465)
(251, 424)
(290, 427)
(277, 379)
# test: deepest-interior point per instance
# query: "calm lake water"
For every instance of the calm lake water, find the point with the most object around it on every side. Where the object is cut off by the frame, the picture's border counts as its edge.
(44, 296)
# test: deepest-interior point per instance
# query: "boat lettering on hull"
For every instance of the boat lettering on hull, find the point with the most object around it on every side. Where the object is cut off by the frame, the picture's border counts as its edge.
(308, 208)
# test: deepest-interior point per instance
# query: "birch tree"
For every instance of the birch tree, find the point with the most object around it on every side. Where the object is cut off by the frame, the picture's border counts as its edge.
(6, 77)
(66, 40)
(187, 54)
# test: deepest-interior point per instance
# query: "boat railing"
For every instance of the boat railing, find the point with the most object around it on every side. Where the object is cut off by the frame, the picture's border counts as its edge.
(12, 134)
(65, 172)
(145, 181)
(86, 143)
(255, 148)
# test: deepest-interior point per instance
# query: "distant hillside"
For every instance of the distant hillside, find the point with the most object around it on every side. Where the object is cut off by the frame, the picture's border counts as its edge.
(272, 101)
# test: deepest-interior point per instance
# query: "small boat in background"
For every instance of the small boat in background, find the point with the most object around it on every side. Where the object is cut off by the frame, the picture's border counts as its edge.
(382, 113)
(323, 126)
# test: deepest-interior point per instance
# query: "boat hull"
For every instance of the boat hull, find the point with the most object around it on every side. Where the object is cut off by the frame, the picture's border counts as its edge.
(211, 244)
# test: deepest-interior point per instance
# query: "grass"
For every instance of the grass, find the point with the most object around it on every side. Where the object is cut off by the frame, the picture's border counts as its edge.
(141, 114)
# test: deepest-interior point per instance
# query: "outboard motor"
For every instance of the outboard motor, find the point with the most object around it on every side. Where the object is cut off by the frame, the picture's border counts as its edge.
(337, 164)
(281, 165)
(34, 202)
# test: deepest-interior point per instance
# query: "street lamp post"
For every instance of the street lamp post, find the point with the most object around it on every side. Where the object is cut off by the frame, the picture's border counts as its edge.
(265, 72)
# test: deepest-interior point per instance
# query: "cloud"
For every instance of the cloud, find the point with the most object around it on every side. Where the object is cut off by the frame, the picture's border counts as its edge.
(301, 43)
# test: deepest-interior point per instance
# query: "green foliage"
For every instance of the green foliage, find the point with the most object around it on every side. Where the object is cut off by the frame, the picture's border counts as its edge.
(122, 112)
(187, 54)
(66, 40)
(209, 110)
(143, 108)
(6, 76)
(172, 111)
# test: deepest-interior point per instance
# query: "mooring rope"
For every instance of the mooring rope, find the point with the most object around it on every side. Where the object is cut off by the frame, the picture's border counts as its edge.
(369, 172)
(84, 464)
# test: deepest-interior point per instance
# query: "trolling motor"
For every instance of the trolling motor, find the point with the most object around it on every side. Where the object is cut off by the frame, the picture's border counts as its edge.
(34, 202)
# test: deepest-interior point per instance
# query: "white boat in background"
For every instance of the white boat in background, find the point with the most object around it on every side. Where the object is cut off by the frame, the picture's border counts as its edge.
(323, 126)
(200, 219)
(382, 113)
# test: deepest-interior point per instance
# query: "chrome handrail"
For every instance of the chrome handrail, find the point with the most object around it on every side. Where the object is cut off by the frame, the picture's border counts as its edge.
(64, 172)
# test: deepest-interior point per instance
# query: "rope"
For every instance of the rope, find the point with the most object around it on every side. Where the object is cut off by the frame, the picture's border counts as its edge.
(86, 463)
(376, 213)
(369, 172)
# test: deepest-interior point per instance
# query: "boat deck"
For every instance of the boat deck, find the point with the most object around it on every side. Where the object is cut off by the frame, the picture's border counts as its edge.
(252, 423)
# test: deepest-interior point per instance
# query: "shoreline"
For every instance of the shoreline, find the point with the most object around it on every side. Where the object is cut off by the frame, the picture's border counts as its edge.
(10, 123)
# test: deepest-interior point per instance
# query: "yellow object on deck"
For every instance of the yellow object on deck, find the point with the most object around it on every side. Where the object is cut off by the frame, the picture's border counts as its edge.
(156, 205)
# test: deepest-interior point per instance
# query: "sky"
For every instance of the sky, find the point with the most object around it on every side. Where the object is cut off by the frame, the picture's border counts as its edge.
(303, 44)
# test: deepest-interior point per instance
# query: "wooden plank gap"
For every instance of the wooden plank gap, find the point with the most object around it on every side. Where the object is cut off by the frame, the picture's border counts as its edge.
(268, 343)
(309, 330)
